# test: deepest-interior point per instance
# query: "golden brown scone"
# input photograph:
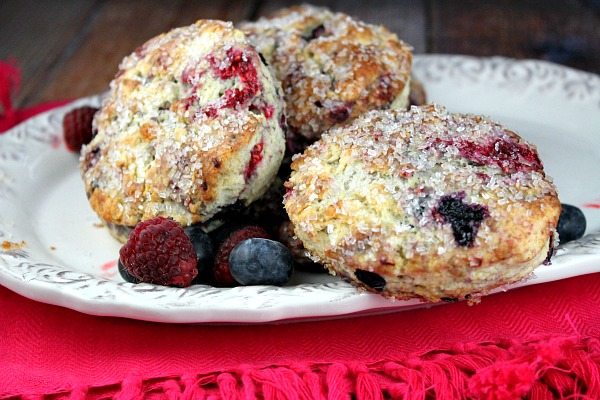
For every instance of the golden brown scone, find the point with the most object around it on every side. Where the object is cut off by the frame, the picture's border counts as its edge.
(332, 67)
(423, 203)
(190, 126)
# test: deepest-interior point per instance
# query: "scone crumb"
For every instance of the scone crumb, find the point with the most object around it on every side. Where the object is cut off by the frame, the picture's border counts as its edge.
(8, 246)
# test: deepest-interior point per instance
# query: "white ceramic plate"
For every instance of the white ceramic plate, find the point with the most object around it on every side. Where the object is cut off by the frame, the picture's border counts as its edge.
(68, 260)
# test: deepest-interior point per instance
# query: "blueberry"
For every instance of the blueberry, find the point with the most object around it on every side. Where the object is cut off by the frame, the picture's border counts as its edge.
(205, 253)
(449, 299)
(262, 59)
(315, 33)
(371, 279)
(464, 219)
(571, 224)
(125, 274)
(260, 261)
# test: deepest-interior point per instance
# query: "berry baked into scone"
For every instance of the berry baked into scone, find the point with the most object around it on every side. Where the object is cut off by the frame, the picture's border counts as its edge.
(332, 67)
(190, 126)
(424, 203)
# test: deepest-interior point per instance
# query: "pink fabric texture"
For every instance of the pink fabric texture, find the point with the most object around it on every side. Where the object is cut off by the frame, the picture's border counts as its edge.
(538, 342)
(10, 80)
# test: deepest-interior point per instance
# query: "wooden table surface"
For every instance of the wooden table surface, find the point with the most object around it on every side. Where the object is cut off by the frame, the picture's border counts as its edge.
(71, 48)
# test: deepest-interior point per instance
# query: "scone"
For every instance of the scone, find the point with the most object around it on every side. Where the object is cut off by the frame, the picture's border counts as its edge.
(332, 67)
(423, 203)
(191, 125)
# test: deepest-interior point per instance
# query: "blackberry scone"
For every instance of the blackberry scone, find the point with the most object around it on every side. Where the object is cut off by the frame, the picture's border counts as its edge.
(424, 203)
(332, 67)
(191, 125)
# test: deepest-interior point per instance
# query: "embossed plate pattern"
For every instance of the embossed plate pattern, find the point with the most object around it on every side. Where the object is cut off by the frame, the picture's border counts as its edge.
(68, 260)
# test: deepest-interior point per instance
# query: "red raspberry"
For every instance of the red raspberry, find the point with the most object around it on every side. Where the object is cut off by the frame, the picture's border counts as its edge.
(158, 251)
(256, 156)
(221, 272)
(77, 127)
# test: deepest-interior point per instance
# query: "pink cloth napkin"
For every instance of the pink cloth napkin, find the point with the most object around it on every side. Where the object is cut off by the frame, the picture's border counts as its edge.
(537, 342)
(10, 80)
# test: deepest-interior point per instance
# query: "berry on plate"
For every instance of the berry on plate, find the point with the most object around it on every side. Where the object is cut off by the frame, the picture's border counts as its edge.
(221, 269)
(126, 275)
(158, 251)
(203, 246)
(571, 223)
(77, 127)
(259, 261)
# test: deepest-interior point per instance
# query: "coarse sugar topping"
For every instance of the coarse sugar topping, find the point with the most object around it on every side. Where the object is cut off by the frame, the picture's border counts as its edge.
(181, 104)
(332, 67)
(399, 180)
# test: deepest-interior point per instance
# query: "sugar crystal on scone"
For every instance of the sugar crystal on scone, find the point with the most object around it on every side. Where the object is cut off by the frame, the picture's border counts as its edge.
(191, 125)
(332, 67)
(424, 203)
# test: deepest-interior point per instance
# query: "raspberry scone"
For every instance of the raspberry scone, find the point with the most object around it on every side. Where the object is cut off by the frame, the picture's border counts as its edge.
(332, 67)
(190, 126)
(424, 203)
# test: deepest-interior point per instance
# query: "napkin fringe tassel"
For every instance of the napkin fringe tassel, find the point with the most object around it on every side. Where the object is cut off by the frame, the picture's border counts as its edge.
(536, 369)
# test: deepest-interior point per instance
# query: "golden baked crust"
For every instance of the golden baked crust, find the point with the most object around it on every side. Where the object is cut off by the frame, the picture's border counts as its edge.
(191, 125)
(423, 203)
(332, 67)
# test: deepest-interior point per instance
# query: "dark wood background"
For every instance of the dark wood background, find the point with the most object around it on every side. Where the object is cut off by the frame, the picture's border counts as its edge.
(71, 48)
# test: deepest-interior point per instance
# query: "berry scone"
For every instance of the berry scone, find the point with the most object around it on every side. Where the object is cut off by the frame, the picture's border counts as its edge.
(190, 126)
(332, 67)
(424, 203)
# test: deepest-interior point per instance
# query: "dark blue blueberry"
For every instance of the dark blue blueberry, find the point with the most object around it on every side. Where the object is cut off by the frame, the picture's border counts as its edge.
(464, 219)
(449, 299)
(125, 274)
(262, 59)
(260, 261)
(371, 279)
(205, 252)
(571, 224)
(315, 33)
(550, 254)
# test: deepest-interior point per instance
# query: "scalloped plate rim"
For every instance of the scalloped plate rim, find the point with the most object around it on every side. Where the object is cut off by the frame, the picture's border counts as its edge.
(348, 302)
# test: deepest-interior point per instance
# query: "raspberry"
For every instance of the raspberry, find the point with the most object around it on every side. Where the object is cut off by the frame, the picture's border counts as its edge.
(265, 109)
(77, 127)
(237, 64)
(221, 270)
(256, 156)
(340, 113)
(504, 152)
(158, 251)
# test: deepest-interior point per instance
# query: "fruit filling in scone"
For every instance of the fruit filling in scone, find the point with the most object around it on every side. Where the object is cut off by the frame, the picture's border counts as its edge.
(463, 218)
(423, 203)
(332, 67)
(191, 126)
